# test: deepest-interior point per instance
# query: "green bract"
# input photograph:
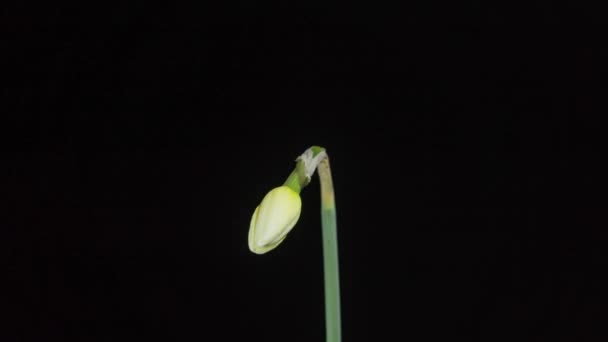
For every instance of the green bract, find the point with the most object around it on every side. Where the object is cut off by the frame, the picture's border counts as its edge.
(273, 219)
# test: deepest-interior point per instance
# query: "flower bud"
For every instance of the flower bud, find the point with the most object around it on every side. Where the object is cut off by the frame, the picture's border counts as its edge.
(273, 219)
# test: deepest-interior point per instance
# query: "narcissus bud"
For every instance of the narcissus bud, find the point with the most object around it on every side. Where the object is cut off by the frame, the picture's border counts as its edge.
(273, 219)
(280, 209)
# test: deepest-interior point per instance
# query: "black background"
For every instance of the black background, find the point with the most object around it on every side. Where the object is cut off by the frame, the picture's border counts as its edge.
(141, 138)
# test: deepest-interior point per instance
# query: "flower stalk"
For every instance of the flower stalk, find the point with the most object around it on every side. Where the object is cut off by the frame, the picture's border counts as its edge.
(330, 254)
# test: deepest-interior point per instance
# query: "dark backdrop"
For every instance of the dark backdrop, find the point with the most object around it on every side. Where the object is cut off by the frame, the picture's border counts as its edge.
(140, 139)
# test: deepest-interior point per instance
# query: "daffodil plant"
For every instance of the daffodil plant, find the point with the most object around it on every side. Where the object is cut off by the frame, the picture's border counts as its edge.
(279, 212)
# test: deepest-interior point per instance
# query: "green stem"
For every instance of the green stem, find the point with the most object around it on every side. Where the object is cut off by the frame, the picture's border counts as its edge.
(293, 181)
(330, 254)
(297, 178)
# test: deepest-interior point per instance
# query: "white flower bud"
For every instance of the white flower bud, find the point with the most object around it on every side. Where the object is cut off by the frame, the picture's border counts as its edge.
(273, 219)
